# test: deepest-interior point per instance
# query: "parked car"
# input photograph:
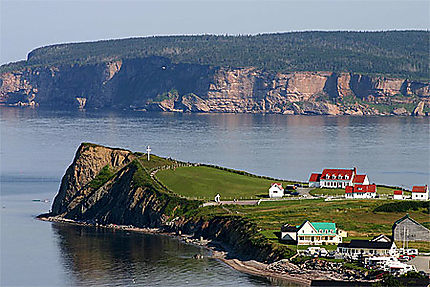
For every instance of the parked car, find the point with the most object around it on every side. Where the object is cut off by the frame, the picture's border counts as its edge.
(412, 252)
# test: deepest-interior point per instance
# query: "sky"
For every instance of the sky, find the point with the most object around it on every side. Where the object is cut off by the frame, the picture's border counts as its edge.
(28, 24)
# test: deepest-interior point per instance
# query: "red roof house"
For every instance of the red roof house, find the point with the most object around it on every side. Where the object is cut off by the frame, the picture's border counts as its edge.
(420, 192)
(338, 174)
(337, 178)
(420, 188)
(398, 194)
(361, 191)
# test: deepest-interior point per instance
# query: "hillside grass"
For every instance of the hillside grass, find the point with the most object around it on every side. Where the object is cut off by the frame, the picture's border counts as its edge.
(202, 182)
(357, 217)
(104, 175)
(360, 218)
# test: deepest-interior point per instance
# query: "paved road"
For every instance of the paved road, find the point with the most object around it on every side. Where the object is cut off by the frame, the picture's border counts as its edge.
(238, 202)
(304, 191)
(422, 263)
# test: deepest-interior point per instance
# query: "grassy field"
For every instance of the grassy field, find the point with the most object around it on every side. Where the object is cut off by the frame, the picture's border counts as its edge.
(327, 191)
(203, 182)
(354, 216)
(357, 217)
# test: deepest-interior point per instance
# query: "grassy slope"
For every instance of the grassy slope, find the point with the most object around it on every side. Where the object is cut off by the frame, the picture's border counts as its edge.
(205, 182)
(355, 216)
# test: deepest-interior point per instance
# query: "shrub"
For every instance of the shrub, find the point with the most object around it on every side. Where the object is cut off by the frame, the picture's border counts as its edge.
(404, 206)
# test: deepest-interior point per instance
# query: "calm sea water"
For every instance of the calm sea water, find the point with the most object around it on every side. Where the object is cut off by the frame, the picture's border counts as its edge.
(37, 146)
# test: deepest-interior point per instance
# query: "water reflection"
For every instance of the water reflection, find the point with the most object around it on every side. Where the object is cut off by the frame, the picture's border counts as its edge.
(95, 256)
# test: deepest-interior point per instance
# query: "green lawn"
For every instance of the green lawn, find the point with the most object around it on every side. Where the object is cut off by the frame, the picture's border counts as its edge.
(354, 216)
(203, 182)
(327, 191)
(357, 217)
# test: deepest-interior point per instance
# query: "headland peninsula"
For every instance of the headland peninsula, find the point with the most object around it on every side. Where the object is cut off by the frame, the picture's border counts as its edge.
(116, 188)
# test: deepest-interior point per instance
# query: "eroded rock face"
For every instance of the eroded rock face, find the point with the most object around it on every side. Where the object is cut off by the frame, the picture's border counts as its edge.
(88, 162)
(140, 84)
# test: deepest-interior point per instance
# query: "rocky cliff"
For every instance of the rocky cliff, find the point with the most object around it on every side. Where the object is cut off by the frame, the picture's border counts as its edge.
(114, 186)
(157, 84)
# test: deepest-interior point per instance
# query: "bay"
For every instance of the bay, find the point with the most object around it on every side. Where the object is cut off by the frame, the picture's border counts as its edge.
(37, 146)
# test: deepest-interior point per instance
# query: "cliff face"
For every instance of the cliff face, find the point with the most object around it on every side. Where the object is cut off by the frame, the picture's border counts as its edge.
(127, 195)
(155, 83)
(88, 162)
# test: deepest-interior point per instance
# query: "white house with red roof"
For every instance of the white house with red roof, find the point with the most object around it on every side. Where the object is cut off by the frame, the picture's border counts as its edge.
(398, 195)
(420, 192)
(314, 180)
(360, 191)
(337, 178)
(276, 190)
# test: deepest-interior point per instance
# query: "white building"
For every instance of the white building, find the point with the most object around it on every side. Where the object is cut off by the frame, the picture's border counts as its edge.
(420, 193)
(337, 178)
(311, 233)
(276, 190)
(360, 191)
(364, 248)
(398, 195)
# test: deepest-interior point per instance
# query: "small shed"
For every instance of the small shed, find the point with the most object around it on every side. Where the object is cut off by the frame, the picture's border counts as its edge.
(398, 195)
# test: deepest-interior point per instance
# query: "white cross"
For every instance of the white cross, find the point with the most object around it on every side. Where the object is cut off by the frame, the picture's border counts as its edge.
(148, 150)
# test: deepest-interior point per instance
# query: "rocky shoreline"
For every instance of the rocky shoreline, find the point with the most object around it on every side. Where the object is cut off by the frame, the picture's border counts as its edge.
(301, 274)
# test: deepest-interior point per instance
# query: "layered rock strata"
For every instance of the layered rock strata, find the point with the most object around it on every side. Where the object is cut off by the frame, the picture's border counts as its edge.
(155, 83)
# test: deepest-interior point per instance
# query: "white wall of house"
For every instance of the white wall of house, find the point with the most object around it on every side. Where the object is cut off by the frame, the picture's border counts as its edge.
(335, 183)
(366, 181)
(289, 236)
(398, 197)
(360, 195)
(275, 191)
(308, 236)
(420, 195)
(354, 252)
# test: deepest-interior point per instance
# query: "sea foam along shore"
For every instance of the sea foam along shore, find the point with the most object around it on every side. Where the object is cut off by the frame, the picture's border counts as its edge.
(218, 251)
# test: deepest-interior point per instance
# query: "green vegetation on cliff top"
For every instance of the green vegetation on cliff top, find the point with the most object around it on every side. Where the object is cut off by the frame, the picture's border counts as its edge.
(394, 53)
(360, 218)
(204, 182)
